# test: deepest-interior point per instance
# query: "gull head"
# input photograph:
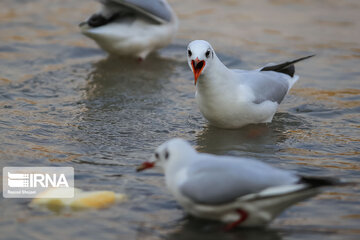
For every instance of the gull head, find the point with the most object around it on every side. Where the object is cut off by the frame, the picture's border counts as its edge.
(169, 154)
(200, 55)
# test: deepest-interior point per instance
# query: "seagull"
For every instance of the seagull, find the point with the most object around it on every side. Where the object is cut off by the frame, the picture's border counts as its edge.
(131, 27)
(236, 191)
(232, 98)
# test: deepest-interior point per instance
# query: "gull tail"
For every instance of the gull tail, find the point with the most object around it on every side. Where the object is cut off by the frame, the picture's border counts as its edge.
(287, 68)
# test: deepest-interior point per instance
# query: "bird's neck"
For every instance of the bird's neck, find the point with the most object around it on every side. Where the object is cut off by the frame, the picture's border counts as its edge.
(181, 159)
(173, 173)
(216, 75)
(177, 170)
(175, 166)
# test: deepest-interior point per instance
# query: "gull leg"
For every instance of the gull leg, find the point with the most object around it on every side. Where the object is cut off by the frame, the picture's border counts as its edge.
(243, 216)
(143, 55)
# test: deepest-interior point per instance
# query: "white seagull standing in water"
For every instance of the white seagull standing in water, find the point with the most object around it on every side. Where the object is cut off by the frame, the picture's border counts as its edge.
(132, 27)
(232, 98)
(237, 191)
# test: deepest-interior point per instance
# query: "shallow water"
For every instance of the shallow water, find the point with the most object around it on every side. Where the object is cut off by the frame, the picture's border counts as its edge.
(63, 102)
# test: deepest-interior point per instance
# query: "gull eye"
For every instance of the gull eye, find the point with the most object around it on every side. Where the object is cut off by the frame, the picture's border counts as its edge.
(189, 53)
(156, 155)
(166, 155)
(207, 54)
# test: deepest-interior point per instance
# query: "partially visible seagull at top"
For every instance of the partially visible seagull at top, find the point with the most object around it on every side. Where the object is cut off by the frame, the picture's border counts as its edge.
(236, 191)
(132, 27)
(232, 98)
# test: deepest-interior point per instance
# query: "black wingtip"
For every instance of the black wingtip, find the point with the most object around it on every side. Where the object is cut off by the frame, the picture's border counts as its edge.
(287, 68)
(304, 58)
(324, 181)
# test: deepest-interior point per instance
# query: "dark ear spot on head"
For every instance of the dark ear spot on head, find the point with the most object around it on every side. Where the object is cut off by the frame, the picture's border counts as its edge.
(167, 154)
(157, 155)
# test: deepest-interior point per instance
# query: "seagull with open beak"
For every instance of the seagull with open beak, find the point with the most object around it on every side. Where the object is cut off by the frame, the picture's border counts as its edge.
(232, 98)
(197, 66)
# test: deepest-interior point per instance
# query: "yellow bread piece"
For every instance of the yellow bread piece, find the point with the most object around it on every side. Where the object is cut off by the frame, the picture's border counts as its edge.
(101, 199)
(81, 200)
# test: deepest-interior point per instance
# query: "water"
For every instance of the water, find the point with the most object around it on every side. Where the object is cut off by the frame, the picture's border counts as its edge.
(63, 102)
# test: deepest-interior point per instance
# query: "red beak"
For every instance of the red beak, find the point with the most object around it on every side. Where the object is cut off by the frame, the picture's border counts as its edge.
(145, 165)
(197, 67)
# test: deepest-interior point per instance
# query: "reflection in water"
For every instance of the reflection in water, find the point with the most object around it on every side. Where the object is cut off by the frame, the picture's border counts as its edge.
(201, 229)
(255, 138)
(124, 101)
(126, 76)
(216, 140)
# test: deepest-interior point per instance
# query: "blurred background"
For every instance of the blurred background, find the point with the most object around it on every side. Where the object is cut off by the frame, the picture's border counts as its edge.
(64, 102)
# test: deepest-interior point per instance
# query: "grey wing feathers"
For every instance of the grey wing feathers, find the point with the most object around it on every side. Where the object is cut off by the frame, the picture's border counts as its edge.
(200, 189)
(155, 9)
(212, 182)
(273, 89)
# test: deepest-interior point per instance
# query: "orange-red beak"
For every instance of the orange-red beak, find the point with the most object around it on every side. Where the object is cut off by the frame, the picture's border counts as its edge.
(145, 165)
(197, 67)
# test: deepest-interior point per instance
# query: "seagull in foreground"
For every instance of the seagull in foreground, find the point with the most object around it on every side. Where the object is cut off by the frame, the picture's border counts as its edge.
(237, 191)
(131, 27)
(232, 98)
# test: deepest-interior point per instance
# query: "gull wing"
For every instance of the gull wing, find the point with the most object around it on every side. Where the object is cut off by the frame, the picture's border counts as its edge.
(212, 181)
(272, 82)
(268, 86)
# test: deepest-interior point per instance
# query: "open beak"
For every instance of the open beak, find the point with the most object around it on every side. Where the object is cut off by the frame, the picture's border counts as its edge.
(145, 165)
(197, 67)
